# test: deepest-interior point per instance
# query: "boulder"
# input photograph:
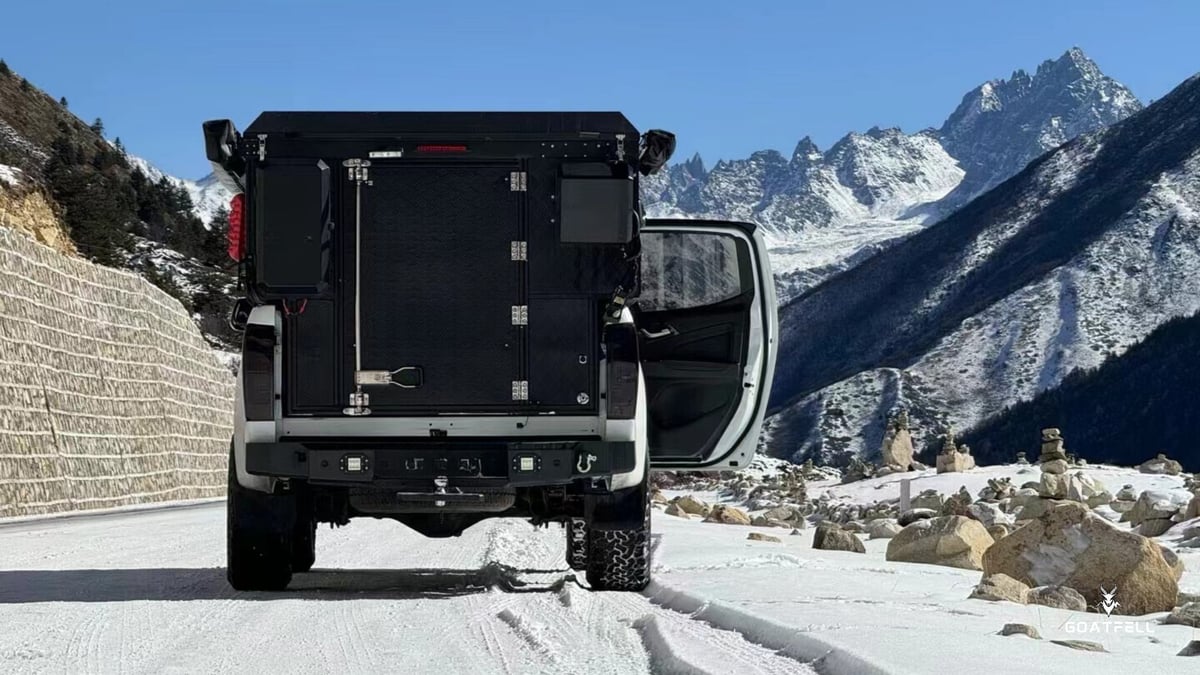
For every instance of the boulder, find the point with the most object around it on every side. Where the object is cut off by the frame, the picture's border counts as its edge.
(1161, 465)
(954, 462)
(1172, 561)
(990, 514)
(1000, 587)
(952, 541)
(1070, 546)
(674, 510)
(1081, 645)
(1154, 527)
(999, 531)
(657, 497)
(785, 512)
(1059, 597)
(1151, 504)
(1193, 508)
(913, 515)
(728, 515)
(1021, 629)
(1127, 493)
(1191, 649)
(690, 504)
(883, 529)
(771, 522)
(1187, 615)
(1037, 507)
(831, 537)
(758, 536)
(928, 499)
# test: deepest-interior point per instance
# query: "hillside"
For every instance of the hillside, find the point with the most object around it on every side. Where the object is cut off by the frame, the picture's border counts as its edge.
(81, 187)
(1130, 408)
(1076, 258)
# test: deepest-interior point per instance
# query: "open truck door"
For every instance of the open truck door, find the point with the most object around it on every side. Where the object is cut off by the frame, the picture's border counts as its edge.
(707, 335)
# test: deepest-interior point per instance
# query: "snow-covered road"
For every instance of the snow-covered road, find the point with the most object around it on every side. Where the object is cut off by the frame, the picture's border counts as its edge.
(145, 592)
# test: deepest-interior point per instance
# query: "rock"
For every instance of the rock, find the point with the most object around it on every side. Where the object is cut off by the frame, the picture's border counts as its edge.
(990, 514)
(1021, 629)
(759, 521)
(1185, 598)
(1151, 504)
(1121, 506)
(952, 541)
(852, 526)
(883, 529)
(1059, 597)
(897, 450)
(1099, 499)
(758, 536)
(831, 537)
(1082, 645)
(674, 510)
(728, 515)
(928, 499)
(857, 470)
(692, 505)
(1193, 508)
(795, 532)
(999, 531)
(657, 497)
(771, 522)
(1127, 493)
(1070, 546)
(918, 466)
(913, 515)
(1191, 649)
(1054, 467)
(800, 524)
(1187, 615)
(1038, 507)
(1172, 561)
(1021, 459)
(1154, 527)
(1000, 587)
(997, 489)
(1161, 465)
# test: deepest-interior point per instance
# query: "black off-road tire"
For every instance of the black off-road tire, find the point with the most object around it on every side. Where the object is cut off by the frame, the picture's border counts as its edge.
(577, 544)
(619, 541)
(258, 530)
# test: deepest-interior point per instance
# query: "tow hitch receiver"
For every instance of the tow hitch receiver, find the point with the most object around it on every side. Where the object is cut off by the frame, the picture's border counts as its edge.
(440, 496)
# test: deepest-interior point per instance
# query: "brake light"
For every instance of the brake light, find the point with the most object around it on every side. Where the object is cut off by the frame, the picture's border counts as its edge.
(441, 148)
(237, 228)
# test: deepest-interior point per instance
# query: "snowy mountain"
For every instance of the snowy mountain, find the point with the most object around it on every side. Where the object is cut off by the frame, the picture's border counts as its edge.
(826, 211)
(1073, 260)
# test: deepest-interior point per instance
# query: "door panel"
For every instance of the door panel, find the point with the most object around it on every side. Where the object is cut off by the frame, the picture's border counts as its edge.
(706, 327)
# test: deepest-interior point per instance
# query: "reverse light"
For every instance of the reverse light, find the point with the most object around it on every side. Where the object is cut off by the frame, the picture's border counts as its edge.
(237, 228)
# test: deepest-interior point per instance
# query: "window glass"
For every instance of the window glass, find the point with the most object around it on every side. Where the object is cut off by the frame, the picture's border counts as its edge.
(681, 270)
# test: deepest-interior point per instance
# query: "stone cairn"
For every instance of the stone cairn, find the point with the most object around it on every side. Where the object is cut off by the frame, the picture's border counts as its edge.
(953, 458)
(897, 451)
(1053, 458)
(1021, 459)
(857, 470)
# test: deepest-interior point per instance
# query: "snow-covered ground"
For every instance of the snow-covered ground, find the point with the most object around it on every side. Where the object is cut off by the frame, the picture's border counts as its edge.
(9, 175)
(146, 592)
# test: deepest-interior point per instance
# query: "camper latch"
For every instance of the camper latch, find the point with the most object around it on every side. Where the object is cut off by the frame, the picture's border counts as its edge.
(518, 181)
(262, 147)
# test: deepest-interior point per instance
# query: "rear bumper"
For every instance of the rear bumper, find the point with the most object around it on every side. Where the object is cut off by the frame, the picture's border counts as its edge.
(517, 464)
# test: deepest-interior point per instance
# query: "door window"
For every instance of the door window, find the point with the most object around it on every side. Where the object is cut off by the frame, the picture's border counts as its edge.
(681, 270)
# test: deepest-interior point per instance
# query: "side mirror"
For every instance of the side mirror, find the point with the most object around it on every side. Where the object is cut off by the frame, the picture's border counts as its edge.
(657, 148)
(220, 146)
(239, 316)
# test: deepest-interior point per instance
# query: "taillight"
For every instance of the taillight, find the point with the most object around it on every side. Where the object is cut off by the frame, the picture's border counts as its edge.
(237, 227)
(444, 149)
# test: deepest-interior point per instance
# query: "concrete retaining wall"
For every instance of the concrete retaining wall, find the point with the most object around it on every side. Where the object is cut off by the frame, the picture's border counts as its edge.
(108, 394)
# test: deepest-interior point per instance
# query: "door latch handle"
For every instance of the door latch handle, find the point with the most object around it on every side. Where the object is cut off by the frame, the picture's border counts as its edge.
(659, 333)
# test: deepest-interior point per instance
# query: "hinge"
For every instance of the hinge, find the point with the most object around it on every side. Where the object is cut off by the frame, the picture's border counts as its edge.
(520, 390)
(357, 171)
(262, 147)
(520, 315)
(518, 181)
(520, 250)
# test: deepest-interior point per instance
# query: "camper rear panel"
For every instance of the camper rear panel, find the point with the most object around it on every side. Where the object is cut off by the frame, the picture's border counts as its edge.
(473, 271)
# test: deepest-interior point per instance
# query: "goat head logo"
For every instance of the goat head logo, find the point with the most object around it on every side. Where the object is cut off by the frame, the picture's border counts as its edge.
(1109, 603)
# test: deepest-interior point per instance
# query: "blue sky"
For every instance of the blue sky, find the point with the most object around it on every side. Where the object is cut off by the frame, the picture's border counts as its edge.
(728, 77)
